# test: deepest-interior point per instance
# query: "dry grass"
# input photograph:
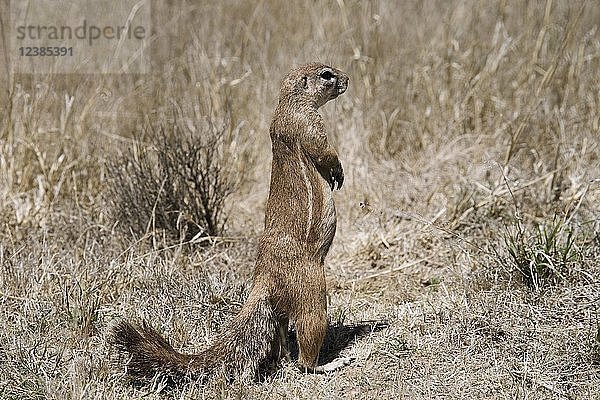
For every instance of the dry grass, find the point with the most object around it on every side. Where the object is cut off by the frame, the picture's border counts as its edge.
(470, 140)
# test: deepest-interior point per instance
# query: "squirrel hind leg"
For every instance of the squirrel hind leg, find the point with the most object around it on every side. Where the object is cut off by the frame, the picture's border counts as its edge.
(281, 347)
(311, 328)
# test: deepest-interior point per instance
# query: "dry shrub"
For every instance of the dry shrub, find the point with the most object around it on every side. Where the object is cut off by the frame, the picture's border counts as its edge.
(176, 185)
(189, 156)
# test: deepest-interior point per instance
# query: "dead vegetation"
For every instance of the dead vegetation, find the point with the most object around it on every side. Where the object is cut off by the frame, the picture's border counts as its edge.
(174, 188)
(468, 222)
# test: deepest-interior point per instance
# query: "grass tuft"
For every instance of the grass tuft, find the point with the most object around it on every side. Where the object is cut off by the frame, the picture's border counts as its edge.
(544, 256)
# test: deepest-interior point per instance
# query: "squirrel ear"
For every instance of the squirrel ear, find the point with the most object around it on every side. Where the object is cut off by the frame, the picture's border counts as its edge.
(304, 82)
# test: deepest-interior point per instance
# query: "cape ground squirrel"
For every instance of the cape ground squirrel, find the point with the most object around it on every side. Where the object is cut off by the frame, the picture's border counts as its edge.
(289, 278)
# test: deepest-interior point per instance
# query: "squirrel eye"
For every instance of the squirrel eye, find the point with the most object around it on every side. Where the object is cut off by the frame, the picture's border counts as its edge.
(327, 75)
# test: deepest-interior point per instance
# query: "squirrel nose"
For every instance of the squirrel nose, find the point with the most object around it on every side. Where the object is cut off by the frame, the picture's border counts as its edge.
(342, 85)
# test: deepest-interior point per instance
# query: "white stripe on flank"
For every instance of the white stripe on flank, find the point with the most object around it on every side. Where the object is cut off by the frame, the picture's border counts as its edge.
(310, 198)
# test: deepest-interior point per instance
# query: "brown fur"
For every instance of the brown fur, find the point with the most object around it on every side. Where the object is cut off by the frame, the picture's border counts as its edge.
(289, 278)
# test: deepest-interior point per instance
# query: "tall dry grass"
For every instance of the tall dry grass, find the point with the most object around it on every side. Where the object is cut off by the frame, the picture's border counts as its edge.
(470, 128)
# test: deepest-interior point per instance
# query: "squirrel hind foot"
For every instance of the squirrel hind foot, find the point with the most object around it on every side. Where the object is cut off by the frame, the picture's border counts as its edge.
(328, 368)
(332, 366)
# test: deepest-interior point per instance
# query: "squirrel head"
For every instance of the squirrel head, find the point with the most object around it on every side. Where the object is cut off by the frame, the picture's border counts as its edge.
(314, 84)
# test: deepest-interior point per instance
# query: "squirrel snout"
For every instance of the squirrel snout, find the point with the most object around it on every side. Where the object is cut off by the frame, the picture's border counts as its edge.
(342, 84)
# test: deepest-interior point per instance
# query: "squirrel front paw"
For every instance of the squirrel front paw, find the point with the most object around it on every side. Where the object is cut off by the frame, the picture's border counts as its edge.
(337, 177)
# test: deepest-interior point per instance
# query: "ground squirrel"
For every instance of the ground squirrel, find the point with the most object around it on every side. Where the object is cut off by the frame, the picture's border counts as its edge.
(289, 277)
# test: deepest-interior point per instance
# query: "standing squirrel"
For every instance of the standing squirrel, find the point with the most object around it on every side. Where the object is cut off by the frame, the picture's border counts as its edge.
(289, 277)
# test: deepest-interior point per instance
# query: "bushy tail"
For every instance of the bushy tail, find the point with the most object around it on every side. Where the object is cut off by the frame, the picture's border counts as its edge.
(238, 350)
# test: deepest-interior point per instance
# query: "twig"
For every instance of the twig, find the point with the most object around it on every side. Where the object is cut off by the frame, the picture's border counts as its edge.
(389, 271)
(9, 296)
(418, 218)
(508, 190)
(576, 208)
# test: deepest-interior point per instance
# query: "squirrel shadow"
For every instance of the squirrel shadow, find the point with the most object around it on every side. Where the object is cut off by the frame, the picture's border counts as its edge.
(338, 337)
